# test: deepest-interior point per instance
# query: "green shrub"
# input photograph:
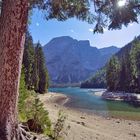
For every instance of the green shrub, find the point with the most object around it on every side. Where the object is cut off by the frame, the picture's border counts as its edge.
(35, 110)
(23, 95)
(59, 126)
(34, 116)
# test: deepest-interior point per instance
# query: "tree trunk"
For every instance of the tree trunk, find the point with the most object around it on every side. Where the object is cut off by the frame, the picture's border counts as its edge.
(13, 21)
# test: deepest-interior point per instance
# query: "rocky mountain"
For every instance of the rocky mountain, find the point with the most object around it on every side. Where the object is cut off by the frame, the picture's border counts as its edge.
(71, 61)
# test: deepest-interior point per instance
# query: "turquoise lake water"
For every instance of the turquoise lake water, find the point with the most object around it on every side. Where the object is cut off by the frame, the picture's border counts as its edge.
(86, 100)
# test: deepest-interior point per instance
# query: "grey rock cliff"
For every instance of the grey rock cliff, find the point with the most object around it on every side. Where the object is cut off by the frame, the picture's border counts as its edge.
(72, 61)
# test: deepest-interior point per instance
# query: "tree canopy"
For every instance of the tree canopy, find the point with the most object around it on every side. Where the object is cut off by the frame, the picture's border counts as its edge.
(102, 13)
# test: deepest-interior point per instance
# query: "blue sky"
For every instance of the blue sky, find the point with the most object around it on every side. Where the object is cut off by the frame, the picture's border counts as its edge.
(44, 31)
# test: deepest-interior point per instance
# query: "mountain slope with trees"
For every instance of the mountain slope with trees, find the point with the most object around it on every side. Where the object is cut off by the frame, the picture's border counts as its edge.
(97, 81)
(121, 72)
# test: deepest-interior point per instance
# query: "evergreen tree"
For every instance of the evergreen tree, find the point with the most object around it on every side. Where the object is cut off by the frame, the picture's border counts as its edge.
(36, 74)
(28, 61)
(47, 80)
(112, 75)
(22, 97)
(41, 70)
(125, 74)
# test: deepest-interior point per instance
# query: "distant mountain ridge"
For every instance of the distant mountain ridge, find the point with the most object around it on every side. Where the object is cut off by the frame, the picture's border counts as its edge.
(111, 49)
(71, 61)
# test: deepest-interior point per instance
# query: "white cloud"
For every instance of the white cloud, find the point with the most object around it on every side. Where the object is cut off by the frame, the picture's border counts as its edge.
(72, 30)
(37, 24)
(131, 24)
(90, 29)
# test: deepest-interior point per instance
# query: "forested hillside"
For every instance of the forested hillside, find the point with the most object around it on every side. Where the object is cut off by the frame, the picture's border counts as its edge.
(121, 73)
(97, 81)
(123, 70)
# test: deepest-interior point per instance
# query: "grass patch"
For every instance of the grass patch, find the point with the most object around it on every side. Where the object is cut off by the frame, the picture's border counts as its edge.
(125, 115)
(123, 110)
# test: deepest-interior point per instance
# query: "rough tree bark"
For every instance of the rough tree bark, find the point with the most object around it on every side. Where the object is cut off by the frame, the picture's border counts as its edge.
(13, 23)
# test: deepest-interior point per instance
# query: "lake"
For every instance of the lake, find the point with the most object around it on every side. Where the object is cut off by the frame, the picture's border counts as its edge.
(87, 101)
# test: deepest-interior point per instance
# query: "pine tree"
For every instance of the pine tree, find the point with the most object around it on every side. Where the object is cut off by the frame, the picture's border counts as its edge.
(113, 74)
(41, 70)
(36, 74)
(13, 23)
(28, 61)
(22, 97)
(47, 80)
(125, 73)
